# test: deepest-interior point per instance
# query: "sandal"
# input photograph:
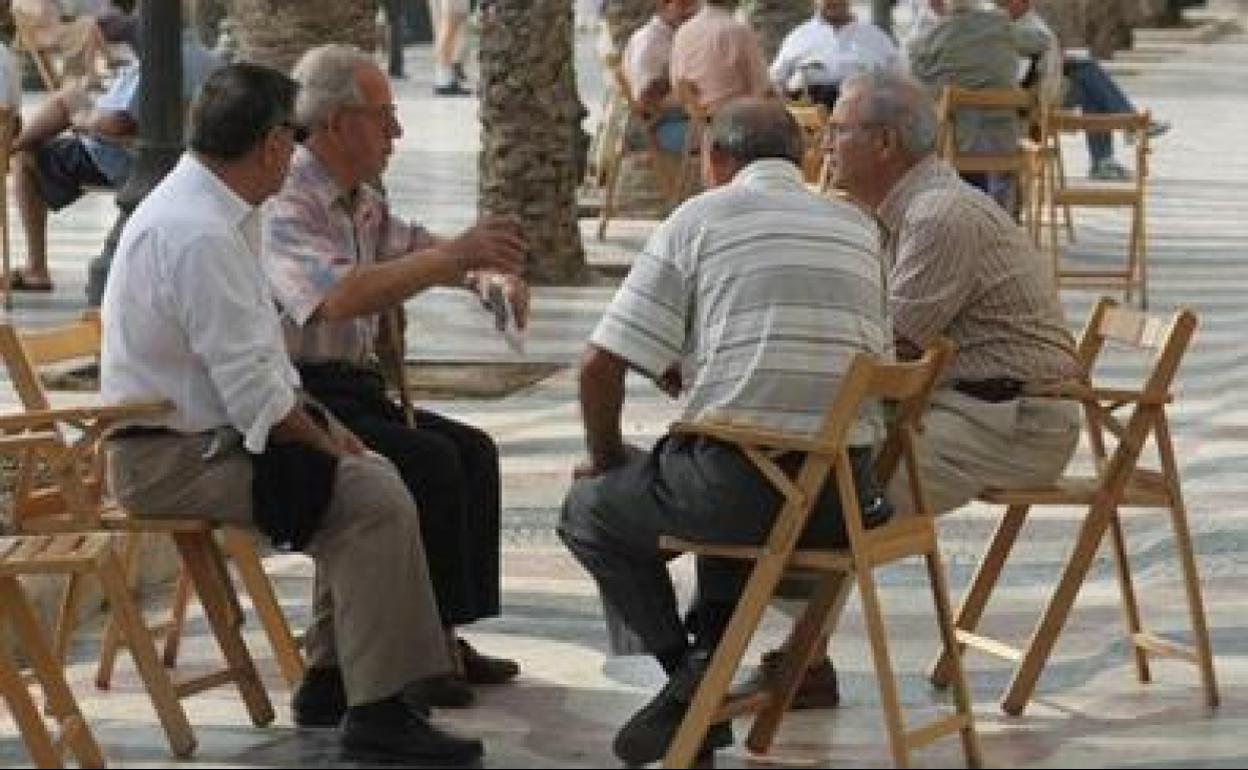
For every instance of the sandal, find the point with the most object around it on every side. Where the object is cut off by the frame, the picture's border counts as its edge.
(18, 281)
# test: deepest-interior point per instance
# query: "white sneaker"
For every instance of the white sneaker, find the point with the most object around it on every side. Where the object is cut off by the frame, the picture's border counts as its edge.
(1109, 170)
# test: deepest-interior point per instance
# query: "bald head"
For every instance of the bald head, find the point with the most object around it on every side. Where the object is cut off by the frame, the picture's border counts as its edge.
(747, 130)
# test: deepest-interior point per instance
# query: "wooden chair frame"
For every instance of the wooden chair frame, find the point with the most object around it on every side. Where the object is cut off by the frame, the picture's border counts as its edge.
(43, 61)
(73, 502)
(904, 535)
(1021, 162)
(1119, 483)
(812, 119)
(1060, 192)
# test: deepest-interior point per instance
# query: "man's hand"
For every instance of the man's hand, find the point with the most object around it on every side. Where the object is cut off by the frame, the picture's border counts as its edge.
(495, 244)
(671, 382)
(345, 440)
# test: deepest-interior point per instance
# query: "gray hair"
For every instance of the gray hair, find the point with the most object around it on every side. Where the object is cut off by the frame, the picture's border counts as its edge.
(326, 77)
(756, 129)
(899, 102)
(961, 5)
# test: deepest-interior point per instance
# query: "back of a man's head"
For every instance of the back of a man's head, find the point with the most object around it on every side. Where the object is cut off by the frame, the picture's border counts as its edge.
(751, 129)
(237, 107)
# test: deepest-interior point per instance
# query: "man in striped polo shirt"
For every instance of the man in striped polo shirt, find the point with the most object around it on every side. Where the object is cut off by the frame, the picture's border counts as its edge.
(750, 300)
(961, 268)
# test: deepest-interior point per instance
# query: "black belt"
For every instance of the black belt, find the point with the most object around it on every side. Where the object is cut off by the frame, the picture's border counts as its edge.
(994, 390)
(142, 431)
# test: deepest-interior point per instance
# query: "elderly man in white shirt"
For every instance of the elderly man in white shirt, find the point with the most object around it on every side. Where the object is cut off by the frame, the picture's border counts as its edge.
(188, 319)
(818, 54)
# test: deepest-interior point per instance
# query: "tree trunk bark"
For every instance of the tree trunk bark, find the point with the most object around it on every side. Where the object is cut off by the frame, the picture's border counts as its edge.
(882, 14)
(277, 32)
(772, 20)
(1101, 26)
(206, 19)
(623, 17)
(533, 148)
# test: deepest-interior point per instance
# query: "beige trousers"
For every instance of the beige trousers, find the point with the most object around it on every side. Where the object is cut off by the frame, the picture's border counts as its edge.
(968, 445)
(374, 612)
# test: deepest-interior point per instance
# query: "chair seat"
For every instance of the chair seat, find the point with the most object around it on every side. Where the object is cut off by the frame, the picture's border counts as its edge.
(1144, 488)
(51, 554)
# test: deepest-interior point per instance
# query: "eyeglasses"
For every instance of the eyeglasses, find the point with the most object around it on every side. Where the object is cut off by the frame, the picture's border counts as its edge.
(387, 114)
(838, 130)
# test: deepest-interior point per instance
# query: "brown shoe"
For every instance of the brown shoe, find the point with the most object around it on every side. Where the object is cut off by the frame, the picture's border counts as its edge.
(818, 689)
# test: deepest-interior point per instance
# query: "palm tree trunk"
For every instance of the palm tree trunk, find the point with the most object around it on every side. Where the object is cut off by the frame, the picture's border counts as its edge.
(277, 32)
(532, 144)
(1101, 26)
(772, 20)
(882, 14)
(206, 19)
(623, 17)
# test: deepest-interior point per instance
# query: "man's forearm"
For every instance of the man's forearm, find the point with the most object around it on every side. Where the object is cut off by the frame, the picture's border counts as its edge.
(378, 287)
(602, 401)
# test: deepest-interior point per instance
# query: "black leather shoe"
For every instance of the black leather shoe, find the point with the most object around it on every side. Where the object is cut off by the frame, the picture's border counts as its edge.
(645, 737)
(445, 691)
(388, 732)
(321, 698)
(485, 669)
(455, 88)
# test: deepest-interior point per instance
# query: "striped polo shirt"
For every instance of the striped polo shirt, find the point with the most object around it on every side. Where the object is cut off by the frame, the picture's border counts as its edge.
(763, 292)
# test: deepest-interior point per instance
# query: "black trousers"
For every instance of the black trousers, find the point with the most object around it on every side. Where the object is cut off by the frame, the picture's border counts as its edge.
(451, 470)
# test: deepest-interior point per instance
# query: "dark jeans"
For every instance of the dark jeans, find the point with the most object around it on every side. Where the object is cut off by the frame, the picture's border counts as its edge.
(1095, 92)
(693, 488)
(451, 470)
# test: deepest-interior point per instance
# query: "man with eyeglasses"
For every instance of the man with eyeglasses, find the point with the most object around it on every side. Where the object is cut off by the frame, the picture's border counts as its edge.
(962, 269)
(338, 261)
(188, 319)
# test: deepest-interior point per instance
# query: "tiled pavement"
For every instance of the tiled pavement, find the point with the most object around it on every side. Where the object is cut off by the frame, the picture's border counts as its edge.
(562, 712)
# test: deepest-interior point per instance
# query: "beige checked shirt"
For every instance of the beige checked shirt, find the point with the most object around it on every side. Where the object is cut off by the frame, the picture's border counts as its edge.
(962, 268)
(720, 57)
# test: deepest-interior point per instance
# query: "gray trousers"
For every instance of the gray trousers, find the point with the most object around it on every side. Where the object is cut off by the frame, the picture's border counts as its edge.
(374, 612)
(692, 488)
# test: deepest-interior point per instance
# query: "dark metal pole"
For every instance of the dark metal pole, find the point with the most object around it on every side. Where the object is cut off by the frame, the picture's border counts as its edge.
(161, 110)
(882, 14)
(394, 22)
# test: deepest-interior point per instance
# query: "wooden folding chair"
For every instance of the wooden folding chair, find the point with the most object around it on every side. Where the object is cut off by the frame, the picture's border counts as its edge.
(1066, 194)
(630, 120)
(812, 119)
(75, 555)
(23, 40)
(8, 132)
(74, 502)
(1119, 482)
(1018, 161)
(910, 533)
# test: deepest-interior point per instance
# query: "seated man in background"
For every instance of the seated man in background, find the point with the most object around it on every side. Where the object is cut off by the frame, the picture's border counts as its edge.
(72, 142)
(976, 48)
(188, 320)
(647, 65)
(338, 260)
(818, 54)
(761, 292)
(962, 269)
(1090, 89)
(716, 58)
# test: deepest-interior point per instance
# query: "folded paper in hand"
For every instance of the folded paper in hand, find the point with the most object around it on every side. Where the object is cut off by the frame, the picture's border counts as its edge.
(504, 317)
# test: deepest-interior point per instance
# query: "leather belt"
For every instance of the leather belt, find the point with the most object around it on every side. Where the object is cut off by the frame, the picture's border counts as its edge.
(994, 390)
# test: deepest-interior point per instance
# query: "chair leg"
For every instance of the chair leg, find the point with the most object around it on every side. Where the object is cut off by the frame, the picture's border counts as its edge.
(718, 676)
(976, 599)
(949, 643)
(74, 731)
(211, 581)
(178, 607)
(67, 615)
(890, 701)
(822, 612)
(138, 640)
(1130, 607)
(1050, 625)
(111, 642)
(239, 546)
(1187, 564)
(613, 178)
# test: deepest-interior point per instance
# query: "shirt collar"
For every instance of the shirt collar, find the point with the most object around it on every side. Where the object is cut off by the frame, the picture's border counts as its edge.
(769, 173)
(894, 205)
(312, 177)
(236, 209)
